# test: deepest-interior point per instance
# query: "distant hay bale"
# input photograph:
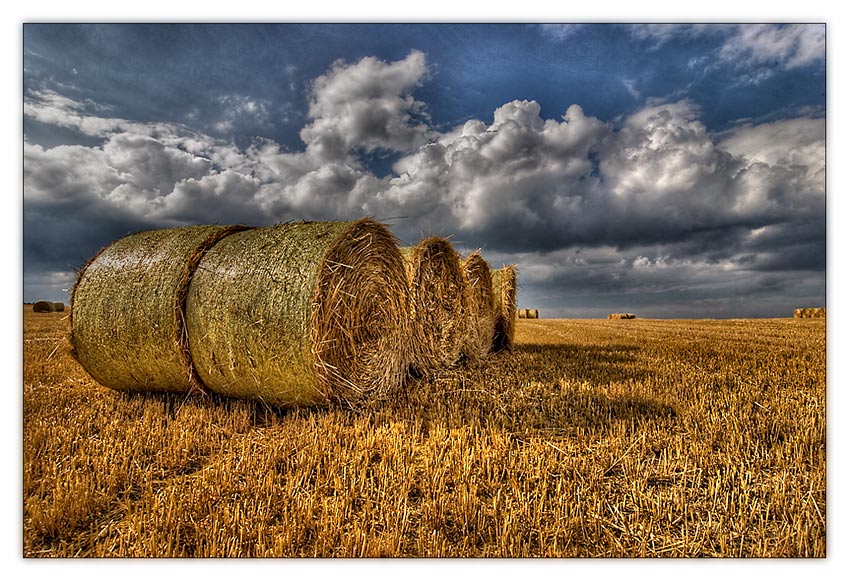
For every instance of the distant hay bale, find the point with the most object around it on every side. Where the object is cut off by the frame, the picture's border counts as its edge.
(482, 317)
(810, 312)
(43, 307)
(504, 299)
(301, 313)
(438, 299)
(522, 313)
(58, 306)
(532, 313)
(127, 323)
(621, 316)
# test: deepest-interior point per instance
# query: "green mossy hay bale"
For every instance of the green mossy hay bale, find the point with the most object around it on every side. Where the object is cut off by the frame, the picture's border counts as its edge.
(438, 299)
(127, 323)
(301, 313)
(481, 313)
(58, 306)
(504, 302)
(42, 307)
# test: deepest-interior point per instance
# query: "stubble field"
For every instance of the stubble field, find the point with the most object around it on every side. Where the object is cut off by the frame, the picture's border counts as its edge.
(631, 438)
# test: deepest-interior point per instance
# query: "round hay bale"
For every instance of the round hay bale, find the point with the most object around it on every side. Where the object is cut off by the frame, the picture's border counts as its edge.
(438, 304)
(58, 306)
(798, 313)
(301, 313)
(504, 296)
(42, 307)
(522, 313)
(127, 320)
(532, 313)
(482, 316)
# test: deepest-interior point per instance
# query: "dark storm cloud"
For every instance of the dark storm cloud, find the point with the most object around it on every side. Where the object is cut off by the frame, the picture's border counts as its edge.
(648, 206)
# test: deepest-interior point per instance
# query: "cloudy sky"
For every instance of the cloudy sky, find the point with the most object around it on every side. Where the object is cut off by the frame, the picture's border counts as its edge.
(668, 170)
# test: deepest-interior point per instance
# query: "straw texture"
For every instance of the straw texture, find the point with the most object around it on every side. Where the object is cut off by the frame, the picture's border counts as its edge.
(127, 326)
(480, 306)
(504, 295)
(810, 312)
(301, 313)
(437, 306)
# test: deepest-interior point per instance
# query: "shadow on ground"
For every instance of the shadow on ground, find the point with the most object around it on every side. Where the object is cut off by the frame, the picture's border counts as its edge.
(533, 387)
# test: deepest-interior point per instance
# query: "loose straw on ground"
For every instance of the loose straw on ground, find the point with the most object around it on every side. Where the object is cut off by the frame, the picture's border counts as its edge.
(127, 324)
(481, 312)
(504, 295)
(301, 313)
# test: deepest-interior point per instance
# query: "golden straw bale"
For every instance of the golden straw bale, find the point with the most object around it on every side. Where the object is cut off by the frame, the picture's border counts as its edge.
(532, 314)
(810, 312)
(301, 313)
(127, 319)
(504, 295)
(437, 304)
(482, 316)
(522, 313)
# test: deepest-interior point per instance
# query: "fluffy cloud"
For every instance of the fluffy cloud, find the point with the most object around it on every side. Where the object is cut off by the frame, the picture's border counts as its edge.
(790, 45)
(367, 106)
(784, 45)
(589, 209)
(241, 110)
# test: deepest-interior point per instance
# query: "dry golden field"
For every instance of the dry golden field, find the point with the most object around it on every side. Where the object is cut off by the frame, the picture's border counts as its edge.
(611, 438)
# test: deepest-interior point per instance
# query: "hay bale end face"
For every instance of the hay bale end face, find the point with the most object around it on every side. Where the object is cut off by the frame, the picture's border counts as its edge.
(43, 307)
(480, 306)
(621, 316)
(127, 323)
(504, 299)
(437, 308)
(58, 306)
(810, 312)
(521, 313)
(532, 314)
(301, 313)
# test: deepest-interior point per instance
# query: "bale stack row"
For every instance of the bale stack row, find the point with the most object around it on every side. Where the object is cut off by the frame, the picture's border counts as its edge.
(809, 312)
(48, 306)
(527, 314)
(621, 316)
(297, 313)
